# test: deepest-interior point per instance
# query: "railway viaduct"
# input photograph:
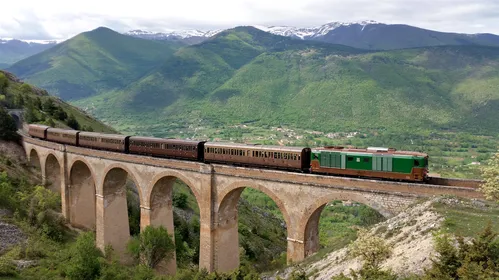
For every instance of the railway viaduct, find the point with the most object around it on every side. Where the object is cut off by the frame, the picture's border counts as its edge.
(92, 188)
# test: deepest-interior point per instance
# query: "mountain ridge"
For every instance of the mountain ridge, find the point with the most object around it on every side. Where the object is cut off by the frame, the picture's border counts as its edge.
(363, 34)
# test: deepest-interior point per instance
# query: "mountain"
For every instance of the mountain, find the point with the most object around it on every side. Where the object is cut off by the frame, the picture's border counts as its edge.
(379, 36)
(92, 62)
(246, 75)
(190, 36)
(12, 50)
(364, 35)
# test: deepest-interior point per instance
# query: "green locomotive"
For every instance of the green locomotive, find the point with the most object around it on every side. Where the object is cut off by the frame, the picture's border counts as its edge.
(371, 162)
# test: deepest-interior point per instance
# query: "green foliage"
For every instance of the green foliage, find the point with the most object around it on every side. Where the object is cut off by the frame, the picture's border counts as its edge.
(41, 205)
(180, 200)
(476, 260)
(73, 123)
(152, 246)
(84, 262)
(373, 250)
(490, 172)
(4, 83)
(92, 62)
(8, 128)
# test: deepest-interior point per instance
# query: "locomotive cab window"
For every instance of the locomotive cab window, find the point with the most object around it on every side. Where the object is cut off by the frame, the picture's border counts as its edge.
(416, 162)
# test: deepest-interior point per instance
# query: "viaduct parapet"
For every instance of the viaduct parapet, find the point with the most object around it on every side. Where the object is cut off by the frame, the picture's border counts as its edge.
(92, 188)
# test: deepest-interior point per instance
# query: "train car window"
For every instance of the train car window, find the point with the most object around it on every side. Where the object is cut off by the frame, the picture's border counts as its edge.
(350, 158)
(416, 162)
(366, 159)
(299, 157)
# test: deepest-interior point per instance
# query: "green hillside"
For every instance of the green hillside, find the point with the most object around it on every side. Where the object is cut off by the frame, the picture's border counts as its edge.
(42, 108)
(91, 63)
(248, 76)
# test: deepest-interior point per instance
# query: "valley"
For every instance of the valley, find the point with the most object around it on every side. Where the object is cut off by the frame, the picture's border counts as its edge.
(353, 84)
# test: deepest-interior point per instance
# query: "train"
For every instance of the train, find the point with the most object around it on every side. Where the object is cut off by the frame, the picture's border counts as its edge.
(371, 162)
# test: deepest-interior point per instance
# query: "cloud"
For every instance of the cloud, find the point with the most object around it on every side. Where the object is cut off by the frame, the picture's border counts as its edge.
(32, 19)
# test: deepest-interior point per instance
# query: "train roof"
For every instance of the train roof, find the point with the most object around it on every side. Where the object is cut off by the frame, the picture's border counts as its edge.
(254, 146)
(39, 125)
(165, 140)
(71, 131)
(370, 150)
(103, 135)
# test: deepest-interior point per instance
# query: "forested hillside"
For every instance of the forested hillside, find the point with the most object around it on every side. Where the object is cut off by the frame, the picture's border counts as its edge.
(248, 76)
(92, 63)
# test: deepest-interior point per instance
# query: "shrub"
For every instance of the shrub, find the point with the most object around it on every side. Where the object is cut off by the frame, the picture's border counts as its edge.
(490, 174)
(478, 259)
(84, 263)
(152, 246)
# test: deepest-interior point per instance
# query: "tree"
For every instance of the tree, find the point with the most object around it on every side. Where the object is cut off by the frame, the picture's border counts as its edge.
(477, 260)
(25, 88)
(84, 258)
(152, 246)
(4, 83)
(8, 128)
(490, 174)
(73, 123)
(48, 106)
(373, 251)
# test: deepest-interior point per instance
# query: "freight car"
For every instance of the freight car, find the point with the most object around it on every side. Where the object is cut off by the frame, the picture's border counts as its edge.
(290, 158)
(371, 162)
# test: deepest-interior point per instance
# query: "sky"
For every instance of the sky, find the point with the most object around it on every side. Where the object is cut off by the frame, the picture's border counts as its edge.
(50, 19)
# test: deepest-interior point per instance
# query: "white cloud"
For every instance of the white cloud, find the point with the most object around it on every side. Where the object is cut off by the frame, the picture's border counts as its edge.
(34, 19)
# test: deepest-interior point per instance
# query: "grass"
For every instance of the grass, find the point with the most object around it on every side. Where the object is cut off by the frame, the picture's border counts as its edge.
(466, 220)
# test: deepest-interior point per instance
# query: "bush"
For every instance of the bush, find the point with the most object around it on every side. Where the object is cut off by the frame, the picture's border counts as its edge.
(180, 200)
(152, 246)
(478, 259)
(84, 263)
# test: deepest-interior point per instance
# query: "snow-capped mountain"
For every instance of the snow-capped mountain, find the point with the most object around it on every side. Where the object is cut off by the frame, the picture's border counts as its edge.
(289, 31)
(310, 32)
(173, 34)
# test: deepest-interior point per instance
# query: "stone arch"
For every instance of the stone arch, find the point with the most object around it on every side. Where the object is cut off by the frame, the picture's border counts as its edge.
(34, 159)
(128, 173)
(234, 190)
(226, 222)
(171, 174)
(53, 173)
(160, 202)
(308, 227)
(112, 218)
(82, 204)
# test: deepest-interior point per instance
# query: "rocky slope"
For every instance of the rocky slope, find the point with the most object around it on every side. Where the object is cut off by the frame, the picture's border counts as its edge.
(410, 234)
